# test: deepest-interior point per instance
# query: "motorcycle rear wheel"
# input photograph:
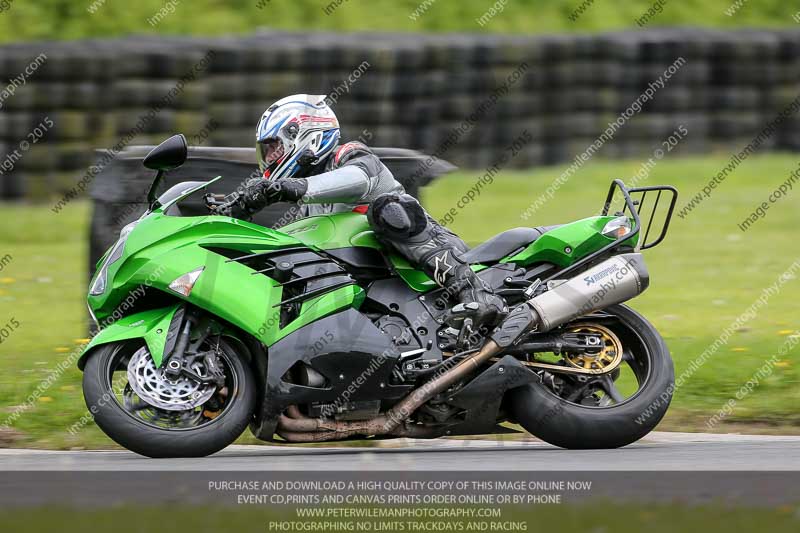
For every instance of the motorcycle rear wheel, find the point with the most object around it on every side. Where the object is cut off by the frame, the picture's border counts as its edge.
(546, 414)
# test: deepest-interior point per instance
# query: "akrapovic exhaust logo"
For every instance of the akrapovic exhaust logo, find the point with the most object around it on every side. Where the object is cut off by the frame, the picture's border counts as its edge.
(594, 278)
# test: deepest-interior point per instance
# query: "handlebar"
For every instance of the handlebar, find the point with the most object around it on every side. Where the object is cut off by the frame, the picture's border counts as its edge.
(214, 201)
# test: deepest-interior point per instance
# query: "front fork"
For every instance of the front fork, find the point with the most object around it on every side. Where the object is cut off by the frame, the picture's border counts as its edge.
(180, 361)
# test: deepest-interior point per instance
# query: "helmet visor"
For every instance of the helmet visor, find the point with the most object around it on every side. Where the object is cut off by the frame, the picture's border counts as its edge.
(270, 151)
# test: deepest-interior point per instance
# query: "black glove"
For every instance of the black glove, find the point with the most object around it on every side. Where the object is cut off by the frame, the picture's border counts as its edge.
(259, 193)
(233, 206)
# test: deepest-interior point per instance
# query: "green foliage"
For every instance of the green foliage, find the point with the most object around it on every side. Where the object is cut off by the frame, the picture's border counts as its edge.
(71, 19)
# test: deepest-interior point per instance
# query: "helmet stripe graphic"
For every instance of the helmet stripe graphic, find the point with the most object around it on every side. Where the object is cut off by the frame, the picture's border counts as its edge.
(274, 129)
(331, 138)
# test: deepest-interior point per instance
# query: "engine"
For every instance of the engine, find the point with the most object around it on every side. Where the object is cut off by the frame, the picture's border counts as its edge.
(398, 330)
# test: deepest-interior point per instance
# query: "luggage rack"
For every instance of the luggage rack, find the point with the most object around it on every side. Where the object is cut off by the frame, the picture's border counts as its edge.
(637, 205)
(634, 206)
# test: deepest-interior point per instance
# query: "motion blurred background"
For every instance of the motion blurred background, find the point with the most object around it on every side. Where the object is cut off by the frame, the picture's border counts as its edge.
(514, 92)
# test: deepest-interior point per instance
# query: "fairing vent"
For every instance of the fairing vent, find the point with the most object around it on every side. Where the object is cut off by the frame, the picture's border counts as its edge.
(303, 274)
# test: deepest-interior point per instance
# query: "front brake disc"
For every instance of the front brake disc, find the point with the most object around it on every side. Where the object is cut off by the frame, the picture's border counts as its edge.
(152, 386)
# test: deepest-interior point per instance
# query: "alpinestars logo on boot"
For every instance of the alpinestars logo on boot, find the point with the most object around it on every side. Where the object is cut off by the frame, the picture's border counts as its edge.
(440, 262)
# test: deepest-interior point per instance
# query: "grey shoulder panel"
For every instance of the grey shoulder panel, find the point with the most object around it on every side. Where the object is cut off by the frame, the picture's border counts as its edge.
(346, 184)
(354, 176)
(382, 183)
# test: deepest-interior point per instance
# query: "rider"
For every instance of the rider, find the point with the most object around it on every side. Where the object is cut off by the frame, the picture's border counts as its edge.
(298, 151)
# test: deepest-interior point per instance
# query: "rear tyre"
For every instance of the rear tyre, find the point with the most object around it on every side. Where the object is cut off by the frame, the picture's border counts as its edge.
(546, 414)
(148, 430)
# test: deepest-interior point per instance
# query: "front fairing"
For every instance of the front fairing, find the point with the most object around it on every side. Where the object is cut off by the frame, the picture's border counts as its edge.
(161, 248)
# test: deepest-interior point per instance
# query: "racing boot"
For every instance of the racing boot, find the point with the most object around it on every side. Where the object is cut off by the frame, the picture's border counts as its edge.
(477, 302)
(401, 222)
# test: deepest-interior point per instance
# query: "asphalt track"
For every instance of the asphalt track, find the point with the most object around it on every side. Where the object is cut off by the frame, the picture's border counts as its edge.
(659, 451)
(664, 467)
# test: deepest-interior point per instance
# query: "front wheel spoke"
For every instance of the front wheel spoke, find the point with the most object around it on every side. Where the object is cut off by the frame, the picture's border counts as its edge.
(611, 389)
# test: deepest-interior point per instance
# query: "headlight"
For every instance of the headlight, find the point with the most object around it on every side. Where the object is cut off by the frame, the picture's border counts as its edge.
(99, 285)
(618, 227)
(101, 278)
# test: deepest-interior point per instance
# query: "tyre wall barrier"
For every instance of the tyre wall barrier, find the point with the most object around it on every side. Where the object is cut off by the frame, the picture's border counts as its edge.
(463, 98)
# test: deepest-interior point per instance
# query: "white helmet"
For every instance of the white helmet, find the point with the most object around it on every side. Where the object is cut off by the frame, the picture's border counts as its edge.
(298, 129)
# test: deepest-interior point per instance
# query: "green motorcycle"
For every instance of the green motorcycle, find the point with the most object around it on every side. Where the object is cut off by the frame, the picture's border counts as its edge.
(315, 332)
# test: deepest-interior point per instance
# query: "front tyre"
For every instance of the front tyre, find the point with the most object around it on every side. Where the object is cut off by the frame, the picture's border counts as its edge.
(152, 422)
(601, 412)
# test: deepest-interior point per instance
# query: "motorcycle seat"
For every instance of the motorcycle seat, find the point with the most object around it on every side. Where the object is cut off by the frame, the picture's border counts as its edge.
(504, 244)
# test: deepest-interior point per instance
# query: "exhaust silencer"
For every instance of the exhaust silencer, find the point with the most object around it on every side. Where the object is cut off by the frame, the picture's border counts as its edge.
(613, 281)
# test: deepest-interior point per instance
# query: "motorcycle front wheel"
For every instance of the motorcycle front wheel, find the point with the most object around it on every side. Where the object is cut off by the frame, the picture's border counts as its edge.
(608, 410)
(138, 407)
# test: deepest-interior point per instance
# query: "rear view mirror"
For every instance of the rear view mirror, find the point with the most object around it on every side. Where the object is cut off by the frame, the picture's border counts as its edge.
(169, 154)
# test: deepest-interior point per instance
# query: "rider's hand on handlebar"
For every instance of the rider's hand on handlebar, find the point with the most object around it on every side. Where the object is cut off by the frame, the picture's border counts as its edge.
(213, 200)
(257, 194)
(231, 205)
